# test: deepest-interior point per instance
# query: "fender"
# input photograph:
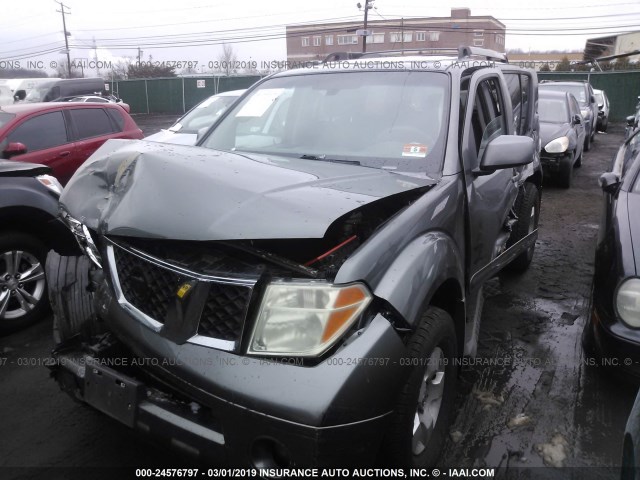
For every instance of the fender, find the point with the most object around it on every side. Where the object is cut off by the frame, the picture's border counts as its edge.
(24, 192)
(420, 269)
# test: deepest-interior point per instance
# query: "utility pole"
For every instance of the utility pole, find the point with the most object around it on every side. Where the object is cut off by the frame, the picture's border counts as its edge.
(95, 54)
(368, 4)
(66, 34)
(139, 56)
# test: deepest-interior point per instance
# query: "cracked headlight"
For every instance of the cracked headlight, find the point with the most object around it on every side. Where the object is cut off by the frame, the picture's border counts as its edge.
(628, 302)
(83, 237)
(559, 145)
(50, 183)
(305, 319)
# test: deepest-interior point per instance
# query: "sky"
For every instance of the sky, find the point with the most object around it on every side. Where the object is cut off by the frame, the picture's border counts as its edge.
(166, 30)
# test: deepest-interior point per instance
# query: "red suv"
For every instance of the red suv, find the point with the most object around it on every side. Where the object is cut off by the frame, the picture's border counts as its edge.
(61, 135)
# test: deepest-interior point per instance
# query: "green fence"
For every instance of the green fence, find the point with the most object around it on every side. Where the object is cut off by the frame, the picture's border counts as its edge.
(622, 88)
(175, 95)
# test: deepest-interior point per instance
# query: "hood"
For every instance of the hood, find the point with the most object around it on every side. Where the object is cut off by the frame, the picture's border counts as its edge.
(10, 168)
(157, 190)
(551, 131)
(177, 138)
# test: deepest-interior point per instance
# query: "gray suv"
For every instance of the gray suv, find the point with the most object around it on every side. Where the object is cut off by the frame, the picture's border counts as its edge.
(583, 91)
(299, 287)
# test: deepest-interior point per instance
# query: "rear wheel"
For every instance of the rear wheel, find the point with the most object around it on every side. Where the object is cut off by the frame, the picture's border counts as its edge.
(23, 289)
(421, 415)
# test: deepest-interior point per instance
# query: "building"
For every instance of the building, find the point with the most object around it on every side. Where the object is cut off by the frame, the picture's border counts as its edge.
(613, 45)
(315, 42)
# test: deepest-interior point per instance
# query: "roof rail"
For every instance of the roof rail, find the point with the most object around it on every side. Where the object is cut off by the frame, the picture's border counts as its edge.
(466, 52)
(462, 52)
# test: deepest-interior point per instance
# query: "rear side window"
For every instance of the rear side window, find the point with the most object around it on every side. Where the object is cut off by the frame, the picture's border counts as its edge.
(38, 133)
(91, 122)
(117, 117)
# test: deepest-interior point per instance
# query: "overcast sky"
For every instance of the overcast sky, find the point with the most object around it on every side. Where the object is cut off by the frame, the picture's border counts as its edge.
(255, 28)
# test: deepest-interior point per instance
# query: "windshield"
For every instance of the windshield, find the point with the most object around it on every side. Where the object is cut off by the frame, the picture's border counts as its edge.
(391, 120)
(579, 91)
(203, 114)
(552, 111)
(38, 94)
(5, 118)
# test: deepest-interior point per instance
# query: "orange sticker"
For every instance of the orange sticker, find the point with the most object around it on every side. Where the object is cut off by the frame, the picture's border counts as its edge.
(414, 150)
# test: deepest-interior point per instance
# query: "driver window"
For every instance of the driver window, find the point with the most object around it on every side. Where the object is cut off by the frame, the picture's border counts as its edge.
(487, 120)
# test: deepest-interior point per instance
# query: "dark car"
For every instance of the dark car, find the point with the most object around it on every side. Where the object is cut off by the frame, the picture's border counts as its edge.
(28, 229)
(613, 329)
(295, 289)
(630, 467)
(562, 134)
(63, 89)
(583, 91)
(61, 135)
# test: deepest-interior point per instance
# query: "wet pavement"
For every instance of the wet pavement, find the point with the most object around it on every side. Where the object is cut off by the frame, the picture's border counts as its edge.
(528, 401)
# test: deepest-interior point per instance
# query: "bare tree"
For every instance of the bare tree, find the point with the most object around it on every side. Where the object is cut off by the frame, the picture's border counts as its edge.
(227, 60)
(120, 69)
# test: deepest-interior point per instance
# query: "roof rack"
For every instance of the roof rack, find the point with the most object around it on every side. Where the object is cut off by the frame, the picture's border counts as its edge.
(462, 52)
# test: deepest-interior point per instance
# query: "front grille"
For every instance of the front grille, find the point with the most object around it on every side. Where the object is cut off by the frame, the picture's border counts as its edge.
(152, 289)
(146, 286)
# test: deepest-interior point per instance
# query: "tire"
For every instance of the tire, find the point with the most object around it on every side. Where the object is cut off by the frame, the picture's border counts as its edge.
(406, 444)
(578, 162)
(23, 286)
(587, 142)
(527, 209)
(566, 172)
(605, 125)
(71, 300)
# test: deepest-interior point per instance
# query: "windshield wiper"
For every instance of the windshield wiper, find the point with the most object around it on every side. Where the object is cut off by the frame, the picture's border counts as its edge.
(323, 158)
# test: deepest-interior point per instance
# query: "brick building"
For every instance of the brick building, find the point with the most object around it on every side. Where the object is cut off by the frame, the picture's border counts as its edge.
(315, 42)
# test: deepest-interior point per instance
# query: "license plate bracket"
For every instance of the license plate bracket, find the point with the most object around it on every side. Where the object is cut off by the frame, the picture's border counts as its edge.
(112, 393)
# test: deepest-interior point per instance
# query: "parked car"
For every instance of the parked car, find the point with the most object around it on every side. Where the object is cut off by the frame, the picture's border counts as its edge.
(562, 134)
(583, 92)
(20, 87)
(630, 466)
(96, 99)
(60, 90)
(61, 135)
(632, 121)
(613, 329)
(199, 118)
(301, 282)
(603, 109)
(28, 229)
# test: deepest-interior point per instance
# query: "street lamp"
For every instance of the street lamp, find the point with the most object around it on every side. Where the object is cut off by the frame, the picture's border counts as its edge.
(368, 4)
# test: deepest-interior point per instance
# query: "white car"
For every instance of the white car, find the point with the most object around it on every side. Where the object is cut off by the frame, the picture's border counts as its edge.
(185, 130)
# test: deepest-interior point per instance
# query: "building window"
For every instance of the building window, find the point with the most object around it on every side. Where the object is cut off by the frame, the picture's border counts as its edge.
(421, 36)
(434, 36)
(328, 40)
(376, 38)
(317, 41)
(305, 41)
(478, 42)
(398, 37)
(347, 39)
(478, 33)
(499, 39)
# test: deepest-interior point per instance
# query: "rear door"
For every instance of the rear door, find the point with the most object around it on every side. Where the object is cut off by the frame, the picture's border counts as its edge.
(490, 196)
(48, 141)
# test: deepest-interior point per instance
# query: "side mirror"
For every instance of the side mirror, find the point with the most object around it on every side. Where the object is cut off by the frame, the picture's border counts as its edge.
(577, 119)
(13, 149)
(201, 133)
(506, 151)
(631, 120)
(592, 99)
(20, 95)
(609, 182)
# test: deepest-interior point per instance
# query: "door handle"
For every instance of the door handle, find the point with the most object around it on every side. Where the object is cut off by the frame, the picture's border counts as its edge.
(64, 154)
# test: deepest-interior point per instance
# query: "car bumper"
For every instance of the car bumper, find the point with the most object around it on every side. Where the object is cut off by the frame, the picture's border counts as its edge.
(553, 163)
(614, 348)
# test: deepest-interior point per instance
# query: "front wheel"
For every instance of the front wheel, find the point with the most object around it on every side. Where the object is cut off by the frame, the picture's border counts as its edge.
(421, 416)
(587, 142)
(23, 290)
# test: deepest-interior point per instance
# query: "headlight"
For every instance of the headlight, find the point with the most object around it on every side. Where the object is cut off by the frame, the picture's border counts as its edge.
(628, 302)
(51, 183)
(559, 145)
(83, 237)
(305, 319)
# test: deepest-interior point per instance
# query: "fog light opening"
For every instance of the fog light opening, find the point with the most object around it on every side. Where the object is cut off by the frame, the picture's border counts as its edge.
(269, 453)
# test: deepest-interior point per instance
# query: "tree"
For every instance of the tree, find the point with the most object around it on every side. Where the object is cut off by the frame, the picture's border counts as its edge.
(22, 73)
(564, 65)
(119, 70)
(148, 69)
(545, 68)
(228, 60)
(63, 72)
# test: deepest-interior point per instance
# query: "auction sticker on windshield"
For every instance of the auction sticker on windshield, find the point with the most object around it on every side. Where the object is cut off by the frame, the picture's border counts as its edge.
(260, 102)
(414, 150)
